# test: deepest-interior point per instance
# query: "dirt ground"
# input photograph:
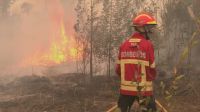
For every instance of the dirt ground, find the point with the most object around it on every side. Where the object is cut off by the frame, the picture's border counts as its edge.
(63, 93)
(71, 93)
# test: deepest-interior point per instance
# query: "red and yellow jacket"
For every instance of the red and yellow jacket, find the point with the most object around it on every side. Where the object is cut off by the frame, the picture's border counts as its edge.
(136, 66)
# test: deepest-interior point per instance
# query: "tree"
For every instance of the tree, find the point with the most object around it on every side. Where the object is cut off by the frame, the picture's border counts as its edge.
(85, 27)
(81, 32)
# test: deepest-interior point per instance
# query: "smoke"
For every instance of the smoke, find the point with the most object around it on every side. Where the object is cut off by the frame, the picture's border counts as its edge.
(29, 26)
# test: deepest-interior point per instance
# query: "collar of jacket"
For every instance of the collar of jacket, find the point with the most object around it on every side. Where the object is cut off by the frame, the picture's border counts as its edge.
(138, 35)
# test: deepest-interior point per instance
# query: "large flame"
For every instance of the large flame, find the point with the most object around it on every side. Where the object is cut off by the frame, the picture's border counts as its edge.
(62, 49)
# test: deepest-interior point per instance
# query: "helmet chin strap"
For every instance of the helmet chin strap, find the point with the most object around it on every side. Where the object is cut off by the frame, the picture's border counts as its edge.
(146, 31)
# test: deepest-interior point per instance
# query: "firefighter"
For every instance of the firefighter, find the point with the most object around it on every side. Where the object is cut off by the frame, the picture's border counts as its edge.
(136, 66)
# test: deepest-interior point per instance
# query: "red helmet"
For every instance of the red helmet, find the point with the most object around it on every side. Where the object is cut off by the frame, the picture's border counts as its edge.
(144, 19)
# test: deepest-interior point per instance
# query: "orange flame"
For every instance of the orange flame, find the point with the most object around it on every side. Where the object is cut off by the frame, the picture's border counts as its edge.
(63, 48)
(61, 51)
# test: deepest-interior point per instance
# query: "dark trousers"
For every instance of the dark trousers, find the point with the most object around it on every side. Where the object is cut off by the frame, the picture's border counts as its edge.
(125, 102)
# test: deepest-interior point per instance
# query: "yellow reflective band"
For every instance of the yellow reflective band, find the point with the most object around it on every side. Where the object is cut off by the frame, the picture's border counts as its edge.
(134, 88)
(144, 80)
(152, 22)
(134, 40)
(122, 72)
(133, 61)
(153, 65)
(131, 83)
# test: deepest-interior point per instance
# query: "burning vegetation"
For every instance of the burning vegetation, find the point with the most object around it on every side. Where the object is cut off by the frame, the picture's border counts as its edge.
(62, 49)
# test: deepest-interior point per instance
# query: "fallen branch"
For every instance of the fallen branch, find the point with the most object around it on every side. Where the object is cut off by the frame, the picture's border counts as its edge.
(160, 106)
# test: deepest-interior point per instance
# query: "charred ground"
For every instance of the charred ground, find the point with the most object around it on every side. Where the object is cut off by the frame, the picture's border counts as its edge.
(71, 93)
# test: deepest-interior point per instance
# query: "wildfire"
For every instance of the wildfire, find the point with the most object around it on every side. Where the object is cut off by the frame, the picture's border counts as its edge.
(63, 49)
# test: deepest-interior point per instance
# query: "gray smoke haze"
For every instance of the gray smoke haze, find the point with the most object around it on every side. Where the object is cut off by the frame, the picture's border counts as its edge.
(29, 26)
